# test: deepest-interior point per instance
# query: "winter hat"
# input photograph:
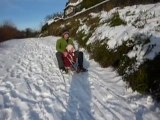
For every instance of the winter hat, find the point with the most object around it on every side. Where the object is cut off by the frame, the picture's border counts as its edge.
(65, 31)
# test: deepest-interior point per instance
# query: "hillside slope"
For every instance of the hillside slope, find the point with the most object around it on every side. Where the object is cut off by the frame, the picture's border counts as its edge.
(127, 38)
(32, 88)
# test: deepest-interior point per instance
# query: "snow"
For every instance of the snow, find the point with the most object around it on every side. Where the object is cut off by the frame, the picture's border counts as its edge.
(53, 20)
(84, 9)
(75, 4)
(142, 20)
(84, 28)
(50, 21)
(32, 87)
(155, 41)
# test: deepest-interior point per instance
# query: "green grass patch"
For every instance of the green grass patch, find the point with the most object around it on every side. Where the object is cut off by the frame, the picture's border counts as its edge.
(93, 22)
(82, 39)
(116, 20)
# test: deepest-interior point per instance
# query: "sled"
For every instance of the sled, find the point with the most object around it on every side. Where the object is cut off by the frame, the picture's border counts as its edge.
(71, 63)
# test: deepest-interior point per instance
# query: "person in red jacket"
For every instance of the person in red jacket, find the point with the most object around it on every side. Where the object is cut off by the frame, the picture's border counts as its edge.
(70, 60)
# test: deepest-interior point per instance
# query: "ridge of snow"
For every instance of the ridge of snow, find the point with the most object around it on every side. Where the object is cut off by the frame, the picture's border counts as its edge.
(53, 20)
(75, 4)
(84, 10)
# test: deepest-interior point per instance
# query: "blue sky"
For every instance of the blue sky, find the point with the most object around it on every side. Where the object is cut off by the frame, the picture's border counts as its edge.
(29, 13)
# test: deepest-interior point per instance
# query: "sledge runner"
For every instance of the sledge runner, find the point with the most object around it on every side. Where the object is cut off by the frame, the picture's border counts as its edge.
(63, 56)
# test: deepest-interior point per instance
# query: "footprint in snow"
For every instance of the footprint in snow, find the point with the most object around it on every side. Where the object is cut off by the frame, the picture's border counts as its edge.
(40, 82)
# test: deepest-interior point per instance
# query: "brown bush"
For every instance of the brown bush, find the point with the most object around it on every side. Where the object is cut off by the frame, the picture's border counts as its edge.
(8, 31)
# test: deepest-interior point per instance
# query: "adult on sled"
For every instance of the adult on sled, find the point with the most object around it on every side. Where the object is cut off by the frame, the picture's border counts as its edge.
(62, 53)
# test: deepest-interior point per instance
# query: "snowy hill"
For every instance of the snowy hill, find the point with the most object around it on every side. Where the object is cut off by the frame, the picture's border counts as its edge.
(32, 88)
(127, 38)
(143, 20)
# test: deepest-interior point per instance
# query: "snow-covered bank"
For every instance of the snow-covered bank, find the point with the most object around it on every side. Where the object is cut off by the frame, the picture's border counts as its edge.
(127, 38)
(141, 20)
(32, 88)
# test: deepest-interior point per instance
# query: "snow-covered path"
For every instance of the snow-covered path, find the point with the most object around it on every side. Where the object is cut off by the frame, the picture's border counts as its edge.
(32, 88)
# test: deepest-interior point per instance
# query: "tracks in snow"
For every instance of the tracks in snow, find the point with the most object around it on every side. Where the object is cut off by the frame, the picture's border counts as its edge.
(31, 87)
